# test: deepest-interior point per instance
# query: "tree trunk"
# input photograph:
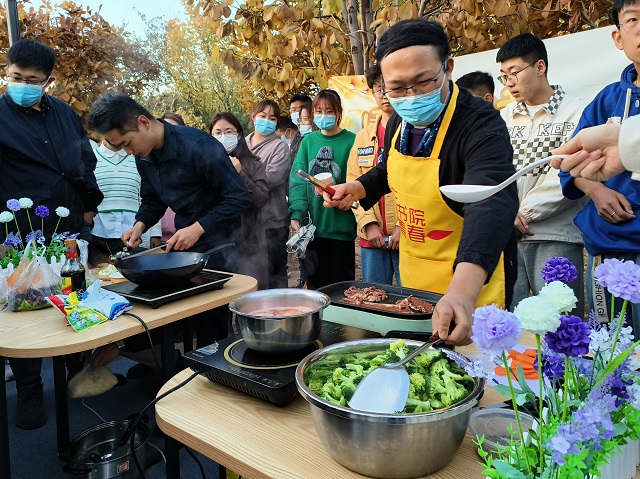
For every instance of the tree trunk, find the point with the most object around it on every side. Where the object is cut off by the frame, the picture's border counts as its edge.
(357, 52)
(366, 15)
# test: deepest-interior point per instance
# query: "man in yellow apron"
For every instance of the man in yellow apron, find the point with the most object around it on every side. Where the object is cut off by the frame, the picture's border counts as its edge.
(441, 135)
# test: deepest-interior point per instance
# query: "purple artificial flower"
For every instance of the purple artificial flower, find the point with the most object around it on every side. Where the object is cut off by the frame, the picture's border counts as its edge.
(495, 330)
(621, 278)
(552, 364)
(42, 211)
(13, 241)
(559, 269)
(13, 205)
(571, 337)
(34, 235)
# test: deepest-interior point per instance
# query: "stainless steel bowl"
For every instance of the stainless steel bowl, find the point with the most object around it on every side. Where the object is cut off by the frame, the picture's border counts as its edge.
(386, 446)
(278, 334)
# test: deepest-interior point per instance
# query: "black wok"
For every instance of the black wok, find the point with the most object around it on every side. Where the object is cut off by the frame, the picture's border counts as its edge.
(165, 269)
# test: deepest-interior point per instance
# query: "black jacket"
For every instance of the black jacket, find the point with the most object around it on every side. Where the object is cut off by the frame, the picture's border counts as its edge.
(46, 156)
(476, 150)
(192, 174)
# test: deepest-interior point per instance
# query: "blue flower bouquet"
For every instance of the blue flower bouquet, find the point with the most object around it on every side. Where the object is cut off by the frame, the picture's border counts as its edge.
(587, 397)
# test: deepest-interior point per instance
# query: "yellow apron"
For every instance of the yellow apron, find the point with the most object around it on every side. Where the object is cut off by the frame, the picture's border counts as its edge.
(430, 230)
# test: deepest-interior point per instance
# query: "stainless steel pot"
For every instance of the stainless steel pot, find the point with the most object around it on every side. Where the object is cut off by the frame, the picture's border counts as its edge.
(94, 453)
(278, 334)
(386, 446)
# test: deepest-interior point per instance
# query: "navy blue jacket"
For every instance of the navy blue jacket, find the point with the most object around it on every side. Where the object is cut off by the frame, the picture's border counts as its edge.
(192, 174)
(46, 156)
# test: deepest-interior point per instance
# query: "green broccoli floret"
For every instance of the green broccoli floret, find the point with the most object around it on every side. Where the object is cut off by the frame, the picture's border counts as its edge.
(426, 359)
(331, 390)
(415, 405)
(357, 370)
(315, 384)
(417, 385)
(400, 348)
(444, 384)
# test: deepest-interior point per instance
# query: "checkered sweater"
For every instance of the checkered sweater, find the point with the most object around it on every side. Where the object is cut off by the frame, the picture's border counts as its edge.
(549, 213)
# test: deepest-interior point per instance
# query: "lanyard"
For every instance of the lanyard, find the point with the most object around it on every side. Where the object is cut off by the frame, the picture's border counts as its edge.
(426, 143)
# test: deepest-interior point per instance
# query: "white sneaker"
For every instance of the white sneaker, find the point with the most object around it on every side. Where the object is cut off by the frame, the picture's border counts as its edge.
(8, 373)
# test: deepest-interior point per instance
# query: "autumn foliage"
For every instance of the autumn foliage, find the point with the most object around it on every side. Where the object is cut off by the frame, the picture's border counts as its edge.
(93, 56)
(291, 45)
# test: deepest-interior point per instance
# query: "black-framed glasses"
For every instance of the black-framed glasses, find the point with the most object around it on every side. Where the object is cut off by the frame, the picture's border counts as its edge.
(513, 76)
(228, 131)
(28, 82)
(419, 88)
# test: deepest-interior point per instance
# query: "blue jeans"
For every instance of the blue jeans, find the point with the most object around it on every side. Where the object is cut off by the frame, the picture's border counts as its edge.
(379, 265)
(600, 299)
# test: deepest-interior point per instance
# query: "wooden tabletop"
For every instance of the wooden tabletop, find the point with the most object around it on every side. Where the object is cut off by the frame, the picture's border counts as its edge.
(46, 333)
(261, 441)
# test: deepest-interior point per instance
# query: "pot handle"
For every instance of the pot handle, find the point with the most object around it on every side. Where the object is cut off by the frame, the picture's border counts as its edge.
(132, 417)
(218, 248)
(76, 472)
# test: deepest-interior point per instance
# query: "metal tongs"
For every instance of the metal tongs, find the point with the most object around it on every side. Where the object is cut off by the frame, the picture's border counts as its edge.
(125, 253)
(323, 186)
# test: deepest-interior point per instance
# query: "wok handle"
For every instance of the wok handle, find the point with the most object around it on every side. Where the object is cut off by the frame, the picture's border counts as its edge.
(219, 248)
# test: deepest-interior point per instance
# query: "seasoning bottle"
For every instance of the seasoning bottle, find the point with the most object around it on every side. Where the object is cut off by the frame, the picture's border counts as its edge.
(72, 272)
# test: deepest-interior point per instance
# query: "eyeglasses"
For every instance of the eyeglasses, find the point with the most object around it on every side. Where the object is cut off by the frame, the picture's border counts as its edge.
(228, 131)
(28, 82)
(513, 76)
(631, 25)
(378, 91)
(419, 88)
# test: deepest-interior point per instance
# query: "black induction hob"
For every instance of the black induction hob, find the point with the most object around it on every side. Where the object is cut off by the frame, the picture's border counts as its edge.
(266, 376)
(155, 297)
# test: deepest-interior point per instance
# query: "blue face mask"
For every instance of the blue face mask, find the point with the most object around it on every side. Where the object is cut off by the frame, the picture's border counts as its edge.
(325, 122)
(264, 127)
(305, 129)
(419, 110)
(286, 140)
(295, 118)
(24, 94)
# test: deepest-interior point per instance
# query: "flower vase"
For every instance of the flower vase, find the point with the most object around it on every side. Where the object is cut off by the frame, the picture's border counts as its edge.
(623, 463)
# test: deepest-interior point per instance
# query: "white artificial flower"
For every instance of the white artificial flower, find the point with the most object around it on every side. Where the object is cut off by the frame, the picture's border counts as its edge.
(599, 340)
(560, 295)
(537, 315)
(25, 203)
(5, 217)
(62, 212)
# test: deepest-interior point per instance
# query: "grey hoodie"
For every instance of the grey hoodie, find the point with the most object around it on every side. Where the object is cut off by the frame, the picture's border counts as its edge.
(274, 153)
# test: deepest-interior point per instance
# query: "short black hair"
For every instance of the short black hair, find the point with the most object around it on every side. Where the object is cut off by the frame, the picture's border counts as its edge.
(116, 111)
(480, 82)
(303, 97)
(618, 5)
(32, 54)
(409, 33)
(373, 75)
(177, 117)
(285, 123)
(526, 46)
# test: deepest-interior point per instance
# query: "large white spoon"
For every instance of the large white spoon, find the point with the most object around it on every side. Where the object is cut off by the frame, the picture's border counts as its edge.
(473, 193)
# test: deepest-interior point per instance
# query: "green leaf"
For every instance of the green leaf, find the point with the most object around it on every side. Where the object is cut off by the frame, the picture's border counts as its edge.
(521, 399)
(502, 389)
(508, 470)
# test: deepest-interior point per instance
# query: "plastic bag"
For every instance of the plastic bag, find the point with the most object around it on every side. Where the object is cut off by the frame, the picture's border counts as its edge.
(31, 283)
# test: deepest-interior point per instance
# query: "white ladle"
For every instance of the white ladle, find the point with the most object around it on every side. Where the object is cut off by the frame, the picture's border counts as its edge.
(474, 193)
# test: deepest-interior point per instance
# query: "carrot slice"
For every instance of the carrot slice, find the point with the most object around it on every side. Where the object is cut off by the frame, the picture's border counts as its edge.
(531, 353)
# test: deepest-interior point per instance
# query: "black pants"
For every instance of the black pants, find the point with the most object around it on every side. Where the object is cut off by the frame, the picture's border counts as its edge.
(27, 370)
(329, 261)
(277, 254)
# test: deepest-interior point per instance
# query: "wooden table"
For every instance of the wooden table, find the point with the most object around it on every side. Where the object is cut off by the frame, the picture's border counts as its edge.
(261, 441)
(45, 333)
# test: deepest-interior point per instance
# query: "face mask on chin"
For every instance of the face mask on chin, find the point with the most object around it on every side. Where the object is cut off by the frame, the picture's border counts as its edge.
(419, 110)
(264, 127)
(228, 141)
(24, 94)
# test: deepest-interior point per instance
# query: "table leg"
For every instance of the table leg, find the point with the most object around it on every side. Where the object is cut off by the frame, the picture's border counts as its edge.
(187, 334)
(172, 453)
(62, 403)
(5, 457)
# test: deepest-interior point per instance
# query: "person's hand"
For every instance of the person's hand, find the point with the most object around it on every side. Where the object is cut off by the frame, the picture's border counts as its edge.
(374, 235)
(345, 195)
(185, 238)
(594, 153)
(456, 308)
(394, 242)
(131, 237)
(236, 163)
(295, 225)
(104, 355)
(155, 241)
(522, 225)
(611, 205)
